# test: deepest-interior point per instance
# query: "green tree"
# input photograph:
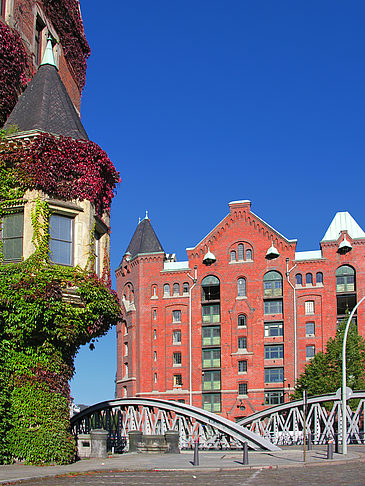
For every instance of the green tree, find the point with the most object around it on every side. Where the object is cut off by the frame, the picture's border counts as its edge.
(324, 372)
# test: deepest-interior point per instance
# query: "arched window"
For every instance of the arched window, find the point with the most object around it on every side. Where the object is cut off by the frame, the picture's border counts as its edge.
(210, 288)
(298, 279)
(345, 279)
(319, 278)
(309, 279)
(241, 287)
(241, 320)
(154, 291)
(240, 252)
(166, 290)
(233, 256)
(273, 284)
(185, 287)
(128, 294)
(248, 254)
(176, 289)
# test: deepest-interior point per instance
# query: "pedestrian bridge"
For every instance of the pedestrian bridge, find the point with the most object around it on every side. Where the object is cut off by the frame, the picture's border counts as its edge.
(265, 430)
(283, 424)
(154, 416)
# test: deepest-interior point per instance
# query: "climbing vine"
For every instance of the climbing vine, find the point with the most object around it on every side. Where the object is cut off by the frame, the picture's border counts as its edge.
(48, 311)
(66, 18)
(59, 166)
(15, 70)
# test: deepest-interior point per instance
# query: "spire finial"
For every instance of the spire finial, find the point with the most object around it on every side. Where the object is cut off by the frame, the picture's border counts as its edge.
(146, 217)
(48, 56)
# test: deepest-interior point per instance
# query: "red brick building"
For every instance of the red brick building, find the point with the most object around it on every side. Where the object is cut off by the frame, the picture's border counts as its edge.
(230, 329)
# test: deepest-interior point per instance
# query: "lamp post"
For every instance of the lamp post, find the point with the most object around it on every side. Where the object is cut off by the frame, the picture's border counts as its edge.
(344, 380)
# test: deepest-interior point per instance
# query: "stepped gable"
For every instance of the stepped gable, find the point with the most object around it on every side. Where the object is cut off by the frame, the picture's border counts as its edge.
(46, 106)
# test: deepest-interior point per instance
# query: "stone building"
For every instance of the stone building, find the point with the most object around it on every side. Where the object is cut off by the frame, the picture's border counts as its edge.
(231, 328)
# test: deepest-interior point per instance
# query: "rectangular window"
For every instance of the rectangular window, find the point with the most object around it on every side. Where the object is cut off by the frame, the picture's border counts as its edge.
(211, 380)
(126, 370)
(211, 313)
(273, 306)
(345, 302)
(274, 351)
(242, 388)
(310, 351)
(154, 314)
(211, 358)
(242, 342)
(60, 245)
(125, 349)
(39, 26)
(176, 358)
(310, 329)
(274, 397)
(12, 236)
(273, 288)
(273, 329)
(97, 236)
(176, 316)
(178, 380)
(212, 402)
(309, 307)
(242, 366)
(274, 375)
(155, 355)
(211, 336)
(176, 337)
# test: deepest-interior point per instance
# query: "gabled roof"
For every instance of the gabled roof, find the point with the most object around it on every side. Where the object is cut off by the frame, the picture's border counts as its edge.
(46, 106)
(343, 221)
(144, 240)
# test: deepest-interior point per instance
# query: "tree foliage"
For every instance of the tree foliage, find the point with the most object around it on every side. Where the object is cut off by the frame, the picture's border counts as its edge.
(324, 372)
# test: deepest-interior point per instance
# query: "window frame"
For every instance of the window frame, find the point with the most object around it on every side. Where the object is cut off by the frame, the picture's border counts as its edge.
(312, 353)
(271, 304)
(212, 405)
(241, 287)
(242, 363)
(243, 389)
(273, 325)
(242, 343)
(176, 289)
(177, 380)
(309, 278)
(176, 316)
(176, 336)
(19, 237)
(279, 370)
(309, 308)
(310, 334)
(70, 243)
(215, 384)
(211, 361)
(274, 351)
(242, 317)
(176, 358)
(273, 284)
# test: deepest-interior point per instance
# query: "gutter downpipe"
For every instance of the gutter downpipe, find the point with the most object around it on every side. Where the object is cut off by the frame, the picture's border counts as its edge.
(295, 319)
(344, 380)
(194, 279)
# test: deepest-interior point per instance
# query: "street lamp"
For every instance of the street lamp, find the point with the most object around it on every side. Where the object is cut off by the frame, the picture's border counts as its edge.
(344, 381)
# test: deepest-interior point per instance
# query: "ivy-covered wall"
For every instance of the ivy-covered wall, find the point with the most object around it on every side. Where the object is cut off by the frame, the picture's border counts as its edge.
(41, 327)
(14, 70)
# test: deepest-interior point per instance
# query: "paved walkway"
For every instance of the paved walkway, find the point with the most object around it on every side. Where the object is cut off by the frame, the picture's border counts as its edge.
(212, 461)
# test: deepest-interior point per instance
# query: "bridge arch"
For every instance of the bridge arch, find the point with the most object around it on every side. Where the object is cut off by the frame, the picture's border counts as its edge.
(155, 416)
(283, 424)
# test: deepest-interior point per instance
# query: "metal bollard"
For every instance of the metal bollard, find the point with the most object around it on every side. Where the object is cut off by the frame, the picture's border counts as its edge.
(245, 454)
(310, 442)
(337, 447)
(330, 449)
(196, 453)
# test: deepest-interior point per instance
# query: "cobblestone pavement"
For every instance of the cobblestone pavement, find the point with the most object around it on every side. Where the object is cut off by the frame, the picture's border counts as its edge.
(322, 475)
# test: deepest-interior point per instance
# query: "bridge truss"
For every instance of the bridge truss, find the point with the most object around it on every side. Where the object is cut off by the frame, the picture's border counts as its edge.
(155, 417)
(283, 424)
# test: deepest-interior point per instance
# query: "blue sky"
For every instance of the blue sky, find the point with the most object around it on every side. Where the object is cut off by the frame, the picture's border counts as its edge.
(199, 103)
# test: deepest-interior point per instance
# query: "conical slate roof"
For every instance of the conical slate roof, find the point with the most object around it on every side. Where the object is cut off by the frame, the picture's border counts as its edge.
(144, 240)
(45, 105)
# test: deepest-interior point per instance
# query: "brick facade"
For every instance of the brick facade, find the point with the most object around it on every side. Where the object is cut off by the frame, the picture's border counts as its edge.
(243, 338)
